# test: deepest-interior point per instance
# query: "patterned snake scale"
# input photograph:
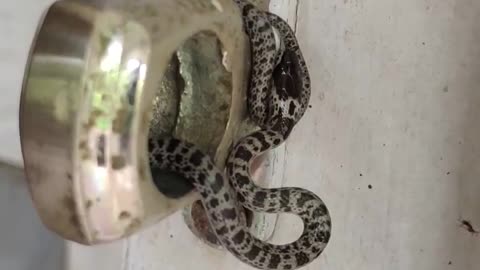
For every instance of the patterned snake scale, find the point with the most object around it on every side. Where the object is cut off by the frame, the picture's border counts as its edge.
(278, 96)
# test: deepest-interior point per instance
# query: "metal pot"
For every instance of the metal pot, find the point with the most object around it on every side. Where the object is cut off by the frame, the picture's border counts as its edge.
(97, 72)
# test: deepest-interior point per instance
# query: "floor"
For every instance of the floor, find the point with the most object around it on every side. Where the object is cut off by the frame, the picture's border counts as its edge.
(23, 238)
(390, 141)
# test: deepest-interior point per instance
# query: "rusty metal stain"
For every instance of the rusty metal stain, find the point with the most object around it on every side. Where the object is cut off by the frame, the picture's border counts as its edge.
(142, 173)
(88, 205)
(133, 226)
(120, 121)
(118, 162)
(124, 215)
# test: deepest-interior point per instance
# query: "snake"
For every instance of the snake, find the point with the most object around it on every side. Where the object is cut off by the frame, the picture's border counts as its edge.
(277, 98)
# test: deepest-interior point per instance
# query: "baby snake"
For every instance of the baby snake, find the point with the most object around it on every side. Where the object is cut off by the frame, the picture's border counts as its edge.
(278, 95)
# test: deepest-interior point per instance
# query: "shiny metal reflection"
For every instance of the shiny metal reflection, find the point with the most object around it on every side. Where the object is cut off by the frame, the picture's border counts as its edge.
(86, 107)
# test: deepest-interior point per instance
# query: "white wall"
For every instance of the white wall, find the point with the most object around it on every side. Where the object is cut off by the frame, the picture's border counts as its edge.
(395, 105)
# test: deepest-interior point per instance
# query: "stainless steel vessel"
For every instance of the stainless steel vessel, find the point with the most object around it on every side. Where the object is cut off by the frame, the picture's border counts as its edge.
(98, 71)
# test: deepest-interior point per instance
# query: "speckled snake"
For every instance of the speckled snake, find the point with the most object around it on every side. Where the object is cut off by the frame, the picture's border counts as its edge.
(278, 96)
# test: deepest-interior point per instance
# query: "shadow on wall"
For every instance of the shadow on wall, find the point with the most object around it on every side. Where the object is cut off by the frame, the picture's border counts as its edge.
(25, 244)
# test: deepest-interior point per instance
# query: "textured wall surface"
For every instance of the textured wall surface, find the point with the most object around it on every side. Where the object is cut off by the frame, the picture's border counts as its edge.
(390, 143)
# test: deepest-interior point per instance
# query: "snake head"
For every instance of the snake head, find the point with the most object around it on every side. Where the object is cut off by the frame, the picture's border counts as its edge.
(285, 76)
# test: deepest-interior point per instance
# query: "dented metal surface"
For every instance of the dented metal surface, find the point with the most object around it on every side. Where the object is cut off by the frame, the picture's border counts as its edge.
(88, 97)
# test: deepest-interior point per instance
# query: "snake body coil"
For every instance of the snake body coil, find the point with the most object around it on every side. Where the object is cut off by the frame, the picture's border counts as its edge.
(278, 96)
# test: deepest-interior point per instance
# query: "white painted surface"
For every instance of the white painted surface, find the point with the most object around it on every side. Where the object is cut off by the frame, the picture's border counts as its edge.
(397, 101)
(395, 105)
